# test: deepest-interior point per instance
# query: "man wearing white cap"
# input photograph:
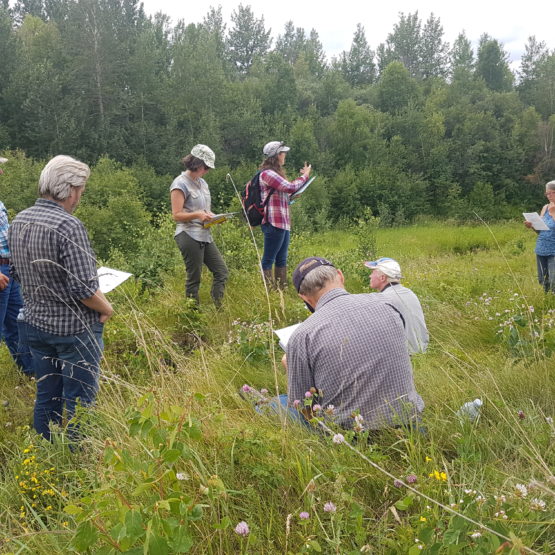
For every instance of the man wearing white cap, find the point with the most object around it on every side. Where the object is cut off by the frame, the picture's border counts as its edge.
(385, 278)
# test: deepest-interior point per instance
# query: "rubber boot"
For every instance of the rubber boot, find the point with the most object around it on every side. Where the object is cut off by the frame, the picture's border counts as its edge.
(268, 277)
(280, 275)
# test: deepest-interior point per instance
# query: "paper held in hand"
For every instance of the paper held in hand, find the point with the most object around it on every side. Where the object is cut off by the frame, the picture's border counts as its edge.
(294, 196)
(537, 223)
(284, 334)
(219, 219)
(109, 279)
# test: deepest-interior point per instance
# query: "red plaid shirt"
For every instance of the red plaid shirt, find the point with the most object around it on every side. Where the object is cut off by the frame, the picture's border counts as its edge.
(277, 209)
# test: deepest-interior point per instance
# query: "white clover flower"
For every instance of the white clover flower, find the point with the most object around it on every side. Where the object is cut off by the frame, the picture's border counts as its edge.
(521, 490)
(537, 504)
(338, 438)
(181, 476)
(476, 535)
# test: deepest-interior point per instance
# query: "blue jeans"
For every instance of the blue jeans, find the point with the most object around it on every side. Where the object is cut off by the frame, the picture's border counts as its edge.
(10, 305)
(279, 405)
(276, 246)
(546, 272)
(66, 370)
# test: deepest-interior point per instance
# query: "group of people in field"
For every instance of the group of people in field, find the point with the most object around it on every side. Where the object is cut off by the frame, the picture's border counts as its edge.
(349, 359)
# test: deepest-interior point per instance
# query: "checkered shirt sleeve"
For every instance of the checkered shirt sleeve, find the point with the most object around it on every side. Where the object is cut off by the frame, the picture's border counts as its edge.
(277, 209)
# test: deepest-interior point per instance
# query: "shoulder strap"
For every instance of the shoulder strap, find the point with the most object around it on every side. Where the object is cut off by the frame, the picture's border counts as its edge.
(544, 210)
(270, 192)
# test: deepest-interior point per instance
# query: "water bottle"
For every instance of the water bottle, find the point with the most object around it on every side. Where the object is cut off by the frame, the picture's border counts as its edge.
(470, 410)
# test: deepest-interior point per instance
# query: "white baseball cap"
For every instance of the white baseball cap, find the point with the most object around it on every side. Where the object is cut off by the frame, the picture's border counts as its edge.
(387, 266)
(273, 148)
(206, 154)
(3, 160)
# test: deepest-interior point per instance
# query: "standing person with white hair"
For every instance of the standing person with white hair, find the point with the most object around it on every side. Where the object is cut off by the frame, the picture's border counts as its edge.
(545, 244)
(190, 200)
(10, 299)
(275, 191)
(386, 277)
(64, 310)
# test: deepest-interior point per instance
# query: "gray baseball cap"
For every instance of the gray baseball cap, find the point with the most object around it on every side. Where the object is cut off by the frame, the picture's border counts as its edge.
(273, 148)
(206, 154)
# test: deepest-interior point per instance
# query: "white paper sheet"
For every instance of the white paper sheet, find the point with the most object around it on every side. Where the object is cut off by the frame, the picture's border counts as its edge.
(109, 278)
(284, 334)
(537, 223)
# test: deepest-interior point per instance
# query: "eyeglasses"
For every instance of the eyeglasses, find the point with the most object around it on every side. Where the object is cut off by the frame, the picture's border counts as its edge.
(547, 193)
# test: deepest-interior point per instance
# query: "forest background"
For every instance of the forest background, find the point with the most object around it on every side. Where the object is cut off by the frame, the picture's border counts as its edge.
(415, 127)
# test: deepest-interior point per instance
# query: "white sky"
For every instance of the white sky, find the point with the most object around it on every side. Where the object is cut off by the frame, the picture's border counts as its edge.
(511, 21)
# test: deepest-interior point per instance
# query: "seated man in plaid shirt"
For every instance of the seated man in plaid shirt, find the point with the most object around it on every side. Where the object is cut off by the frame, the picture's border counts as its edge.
(350, 357)
(64, 310)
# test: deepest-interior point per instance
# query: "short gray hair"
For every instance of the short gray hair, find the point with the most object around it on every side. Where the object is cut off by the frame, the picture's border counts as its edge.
(317, 279)
(550, 185)
(60, 174)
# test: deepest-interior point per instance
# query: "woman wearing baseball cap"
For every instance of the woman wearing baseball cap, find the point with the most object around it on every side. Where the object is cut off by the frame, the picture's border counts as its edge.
(190, 199)
(276, 225)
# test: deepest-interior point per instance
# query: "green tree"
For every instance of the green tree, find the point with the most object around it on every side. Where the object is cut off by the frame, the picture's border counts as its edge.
(357, 65)
(396, 88)
(434, 51)
(403, 44)
(462, 56)
(247, 39)
(492, 65)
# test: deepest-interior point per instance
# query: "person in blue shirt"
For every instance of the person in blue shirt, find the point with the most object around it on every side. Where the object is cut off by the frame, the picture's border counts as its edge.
(545, 244)
(11, 301)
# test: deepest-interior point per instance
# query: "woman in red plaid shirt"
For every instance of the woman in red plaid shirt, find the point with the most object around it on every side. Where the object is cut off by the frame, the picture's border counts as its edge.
(276, 224)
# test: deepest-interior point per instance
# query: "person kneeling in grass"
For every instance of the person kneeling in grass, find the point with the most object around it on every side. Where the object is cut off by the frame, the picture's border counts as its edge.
(350, 354)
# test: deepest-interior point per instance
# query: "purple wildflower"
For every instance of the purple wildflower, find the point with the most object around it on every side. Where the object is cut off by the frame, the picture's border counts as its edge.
(263, 391)
(304, 515)
(398, 483)
(330, 507)
(411, 479)
(246, 388)
(296, 403)
(316, 408)
(308, 395)
(242, 529)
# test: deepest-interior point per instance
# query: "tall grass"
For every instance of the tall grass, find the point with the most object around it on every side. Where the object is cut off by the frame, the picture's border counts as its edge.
(171, 376)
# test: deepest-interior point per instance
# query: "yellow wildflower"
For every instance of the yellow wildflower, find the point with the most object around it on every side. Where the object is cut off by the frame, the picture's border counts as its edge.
(428, 459)
(423, 519)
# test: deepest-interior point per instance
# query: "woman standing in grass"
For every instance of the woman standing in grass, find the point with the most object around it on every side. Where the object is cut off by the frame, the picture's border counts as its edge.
(275, 190)
(545, 244)
(190, 198)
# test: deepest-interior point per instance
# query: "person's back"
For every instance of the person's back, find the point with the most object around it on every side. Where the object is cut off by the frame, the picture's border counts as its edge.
(407, 303)
(52, 282)
(353, 349)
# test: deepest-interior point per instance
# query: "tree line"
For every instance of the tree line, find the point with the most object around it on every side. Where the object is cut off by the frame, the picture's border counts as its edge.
(414, 126)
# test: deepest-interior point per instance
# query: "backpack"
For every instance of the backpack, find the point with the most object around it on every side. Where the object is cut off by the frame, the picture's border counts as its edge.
(251, 199)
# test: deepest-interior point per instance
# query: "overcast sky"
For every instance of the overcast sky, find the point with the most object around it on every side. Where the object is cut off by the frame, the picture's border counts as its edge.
(510, 22)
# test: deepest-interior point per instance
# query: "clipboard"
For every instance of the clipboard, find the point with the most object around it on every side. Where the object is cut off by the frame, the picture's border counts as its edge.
(294, 196)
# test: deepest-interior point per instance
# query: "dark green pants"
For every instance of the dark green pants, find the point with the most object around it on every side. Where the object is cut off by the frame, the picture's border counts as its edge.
(195, 254)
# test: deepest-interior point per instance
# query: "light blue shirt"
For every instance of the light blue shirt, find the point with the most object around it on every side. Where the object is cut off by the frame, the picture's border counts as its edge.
(4, 225)
(545, 245)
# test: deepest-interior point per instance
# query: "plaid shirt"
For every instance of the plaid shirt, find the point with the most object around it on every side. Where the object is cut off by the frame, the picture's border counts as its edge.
(353, 349)
(277, 209)
(4, 249)
(54, 262)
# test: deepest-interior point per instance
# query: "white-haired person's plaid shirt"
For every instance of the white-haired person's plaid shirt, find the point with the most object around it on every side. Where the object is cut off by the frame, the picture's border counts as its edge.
(56, 266)
(353, 350)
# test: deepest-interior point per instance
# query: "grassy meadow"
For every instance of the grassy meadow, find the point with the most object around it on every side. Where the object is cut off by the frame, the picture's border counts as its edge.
(175, 459)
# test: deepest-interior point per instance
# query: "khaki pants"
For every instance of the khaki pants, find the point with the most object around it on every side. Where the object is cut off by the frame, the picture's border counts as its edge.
(195, 254)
